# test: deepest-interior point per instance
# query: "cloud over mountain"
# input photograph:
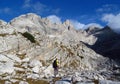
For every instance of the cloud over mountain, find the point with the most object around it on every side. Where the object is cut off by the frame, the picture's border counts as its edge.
(54, 19)
(93, 25)
(113, 21)
(77, 24)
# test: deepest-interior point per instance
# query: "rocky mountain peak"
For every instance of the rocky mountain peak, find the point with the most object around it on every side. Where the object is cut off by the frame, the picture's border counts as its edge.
(92, 29)
(32, 43)
(30, 16)
(67, 23)
(107, 42)
(107, 29)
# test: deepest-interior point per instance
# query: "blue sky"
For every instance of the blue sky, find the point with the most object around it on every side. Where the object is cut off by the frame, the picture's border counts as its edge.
(83, 11)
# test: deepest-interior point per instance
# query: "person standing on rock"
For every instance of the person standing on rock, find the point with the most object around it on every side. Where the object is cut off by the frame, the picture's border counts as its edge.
(55, 66)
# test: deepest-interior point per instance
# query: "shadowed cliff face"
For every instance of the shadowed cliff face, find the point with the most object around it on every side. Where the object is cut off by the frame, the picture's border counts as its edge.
(107, 43)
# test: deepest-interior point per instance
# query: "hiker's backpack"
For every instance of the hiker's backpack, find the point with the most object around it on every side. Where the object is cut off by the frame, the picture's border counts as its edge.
(55, 64)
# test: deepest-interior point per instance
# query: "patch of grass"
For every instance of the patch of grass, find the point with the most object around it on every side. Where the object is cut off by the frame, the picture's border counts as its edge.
(2, 81)
(3, 35)
(29, 37)
(96, 81)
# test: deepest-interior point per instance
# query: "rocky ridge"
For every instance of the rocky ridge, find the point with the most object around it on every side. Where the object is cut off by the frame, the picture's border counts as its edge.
(29, 44)
(107, 43)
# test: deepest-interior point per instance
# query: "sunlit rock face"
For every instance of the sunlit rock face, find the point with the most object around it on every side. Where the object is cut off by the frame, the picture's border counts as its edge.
(30, 43)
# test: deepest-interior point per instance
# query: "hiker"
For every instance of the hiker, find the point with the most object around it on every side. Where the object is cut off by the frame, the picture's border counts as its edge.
(55, 66)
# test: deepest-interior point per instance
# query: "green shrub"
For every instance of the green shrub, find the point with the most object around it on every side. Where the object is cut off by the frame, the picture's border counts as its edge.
(29, 37)
(3, 35)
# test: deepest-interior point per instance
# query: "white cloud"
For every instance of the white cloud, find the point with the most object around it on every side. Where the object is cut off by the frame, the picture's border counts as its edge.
(107, 17)
(77, 25)
(93, 25)
(26, 4)
(35, 7)
(54, 19)
(56, 11)
(113, 21)
(5, 10)
(39, 8)
(108, 8)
